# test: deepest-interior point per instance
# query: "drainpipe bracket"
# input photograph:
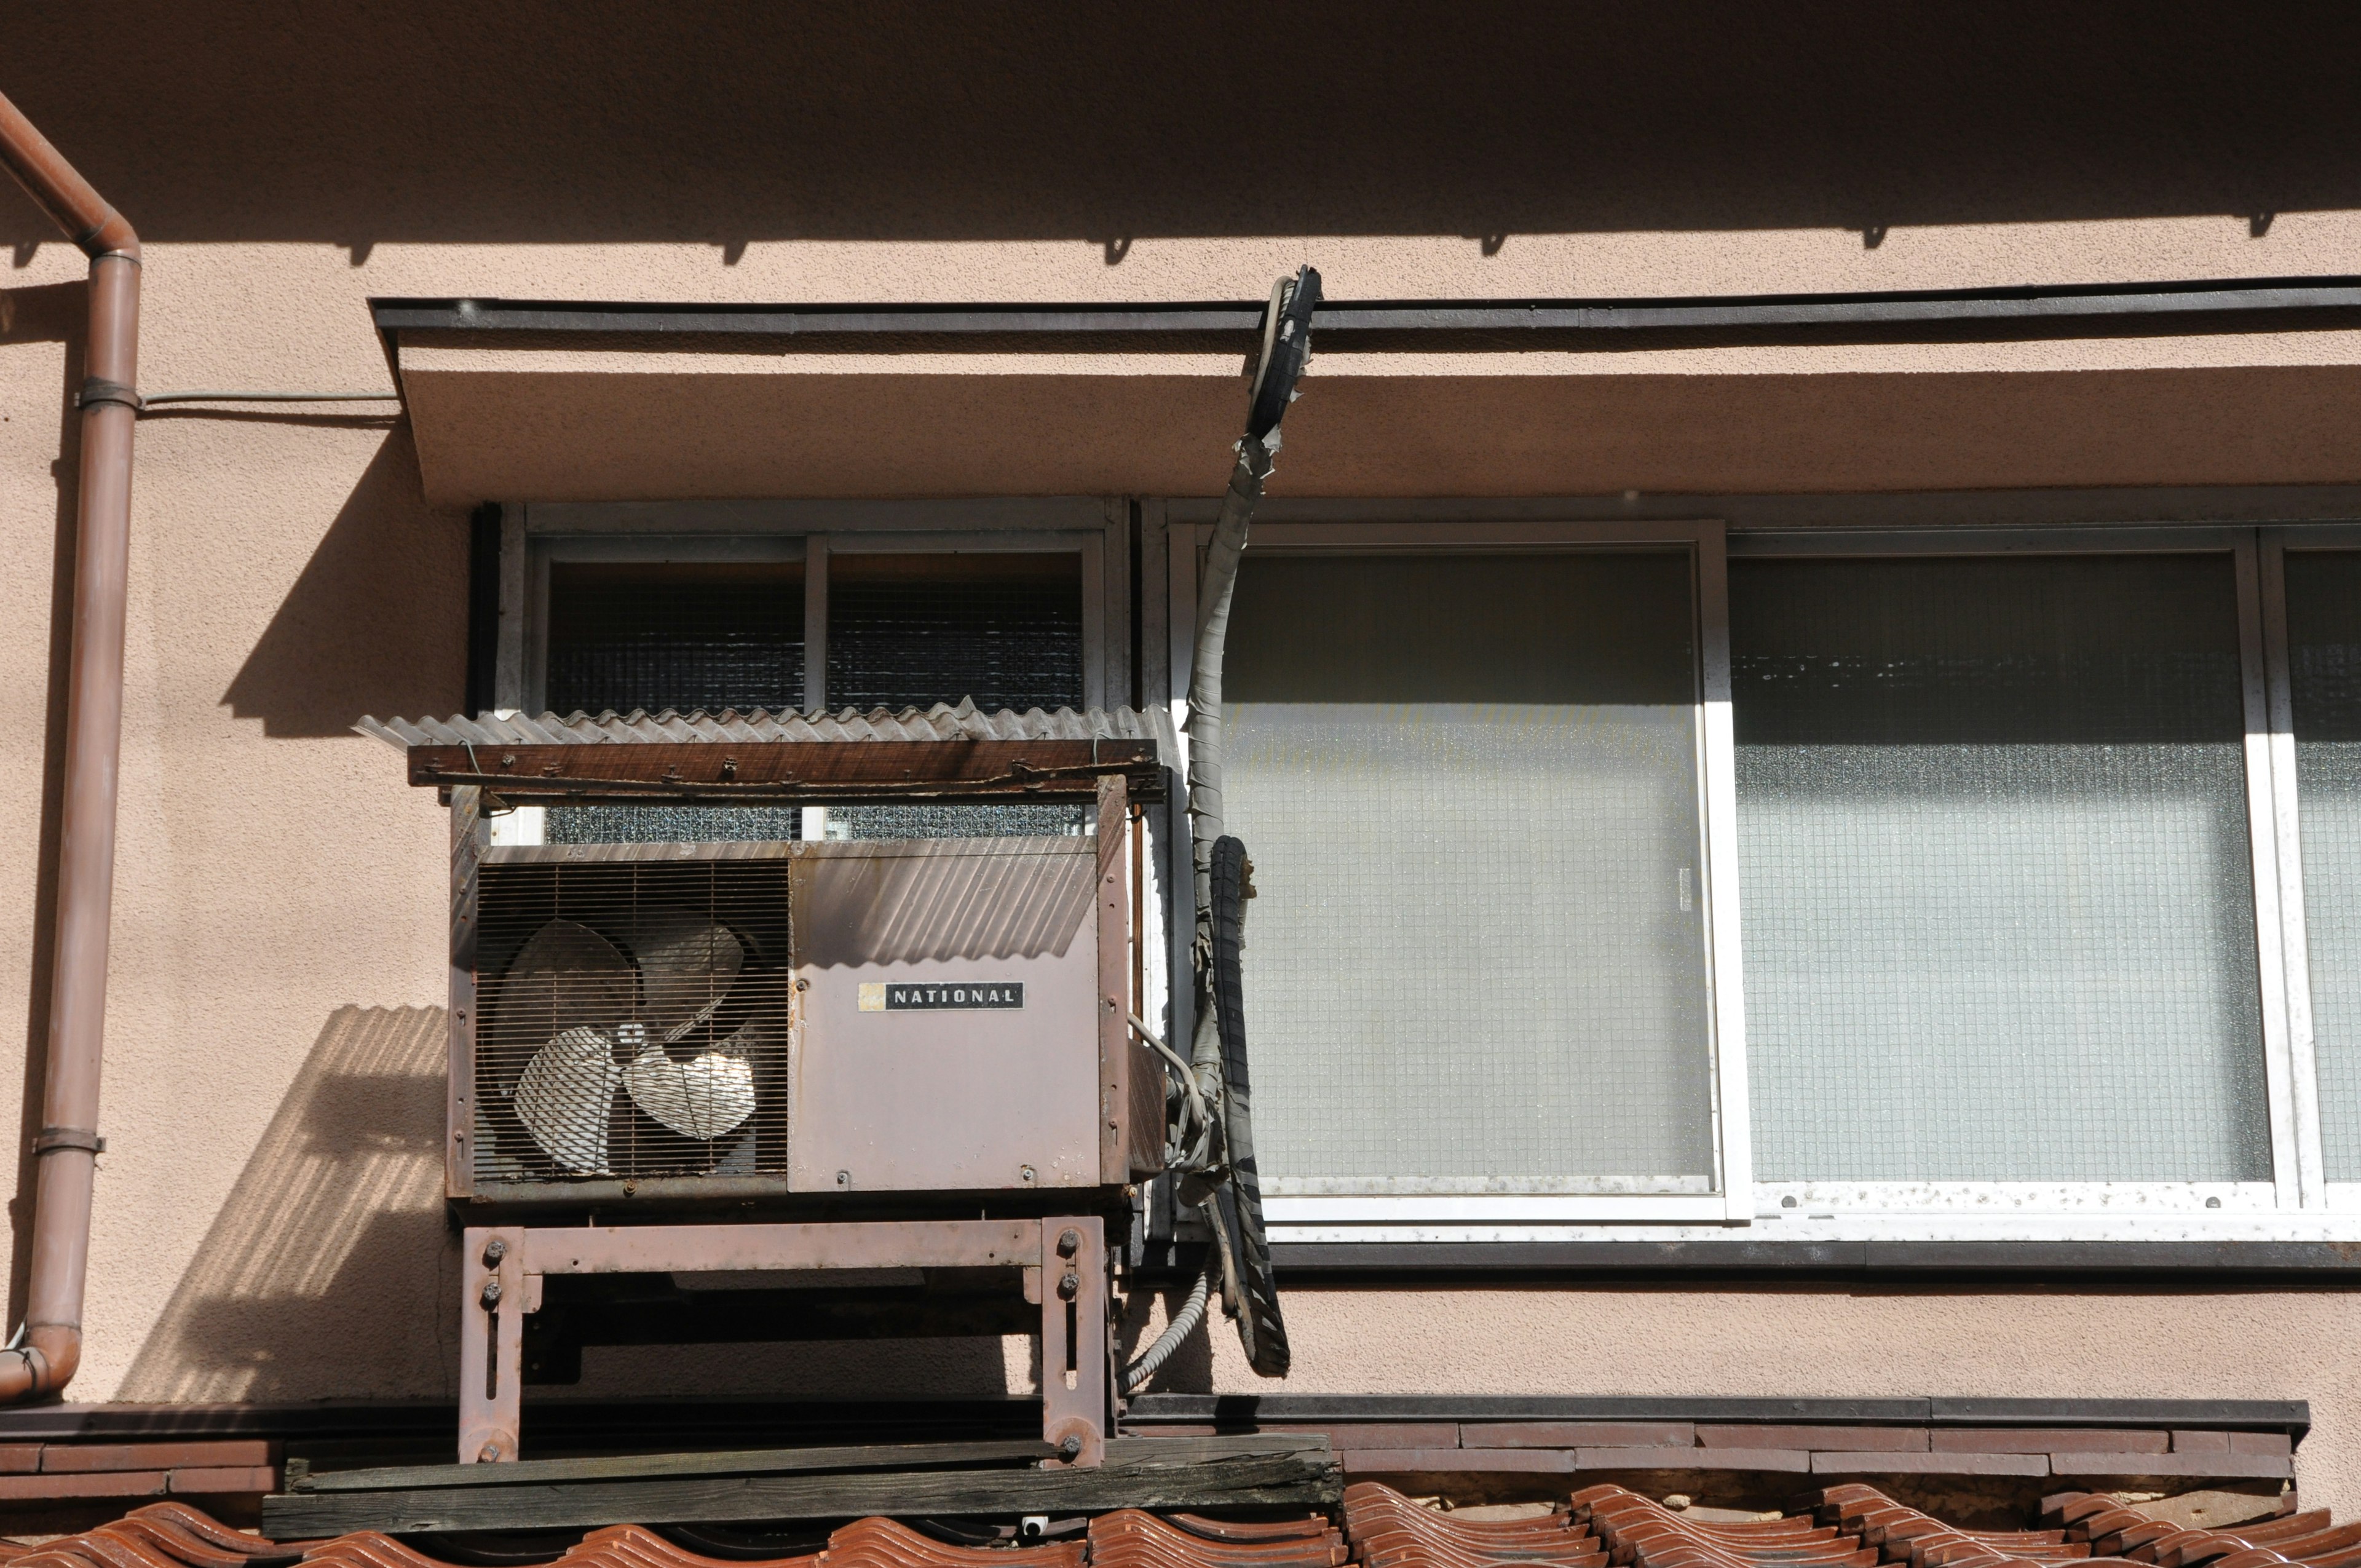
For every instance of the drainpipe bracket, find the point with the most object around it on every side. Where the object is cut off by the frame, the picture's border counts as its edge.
(54, 1138)
(99, 390)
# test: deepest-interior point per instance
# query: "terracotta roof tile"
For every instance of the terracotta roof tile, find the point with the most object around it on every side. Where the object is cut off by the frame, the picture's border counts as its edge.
(1850, 1526)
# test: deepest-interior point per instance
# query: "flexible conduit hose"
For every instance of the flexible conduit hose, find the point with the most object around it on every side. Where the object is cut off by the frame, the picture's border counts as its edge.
(1184, 1323)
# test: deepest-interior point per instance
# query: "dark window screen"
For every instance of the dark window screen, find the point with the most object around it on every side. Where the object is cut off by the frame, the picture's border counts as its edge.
(912, 630)
(626, 636)
(654, 636)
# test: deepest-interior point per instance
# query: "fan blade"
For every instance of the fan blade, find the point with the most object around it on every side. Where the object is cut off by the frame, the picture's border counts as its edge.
(687, 964)
(564, 1095)
(704, 1097)
(569, 977)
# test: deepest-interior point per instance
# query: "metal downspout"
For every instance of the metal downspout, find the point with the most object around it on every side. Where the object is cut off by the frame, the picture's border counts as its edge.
(47, 1349)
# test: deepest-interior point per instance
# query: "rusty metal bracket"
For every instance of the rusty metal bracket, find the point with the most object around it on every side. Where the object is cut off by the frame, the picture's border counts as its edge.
(1060, 1262)
(98, 389)
(54, 1138)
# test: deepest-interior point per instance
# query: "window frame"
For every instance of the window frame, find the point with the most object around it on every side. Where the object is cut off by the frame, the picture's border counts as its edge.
(2275, 543)
(2293, 1173)
(2295, 1205)
(1185, 529)
(534, 534)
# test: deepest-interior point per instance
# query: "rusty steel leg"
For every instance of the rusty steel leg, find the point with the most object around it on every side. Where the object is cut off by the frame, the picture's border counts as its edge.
(1074, 1408)
(492, 1306)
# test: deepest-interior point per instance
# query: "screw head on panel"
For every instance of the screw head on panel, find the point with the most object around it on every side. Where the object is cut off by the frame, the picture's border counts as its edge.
(1069, 1242)
(495, 1250)
(489, 1453)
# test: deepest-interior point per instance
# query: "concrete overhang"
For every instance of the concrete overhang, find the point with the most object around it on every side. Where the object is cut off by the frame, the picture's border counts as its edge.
(2179, 385)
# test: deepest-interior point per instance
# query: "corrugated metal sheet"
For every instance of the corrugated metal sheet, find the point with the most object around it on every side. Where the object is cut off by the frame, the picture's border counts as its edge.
(940, 722)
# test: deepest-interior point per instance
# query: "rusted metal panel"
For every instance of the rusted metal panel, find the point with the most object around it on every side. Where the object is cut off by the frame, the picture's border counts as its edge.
(1075, 1349)
(467, 853)
(664, 1249)
(946, 1033)
(1112, 898)
(1026, 770)
(100, 1483)
(493, 1302)
(1144, 1095)
(223, 1480)
(90, 1458)
(645, 1191)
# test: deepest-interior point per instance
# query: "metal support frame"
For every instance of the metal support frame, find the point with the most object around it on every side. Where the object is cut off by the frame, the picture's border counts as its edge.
(1063, 1264)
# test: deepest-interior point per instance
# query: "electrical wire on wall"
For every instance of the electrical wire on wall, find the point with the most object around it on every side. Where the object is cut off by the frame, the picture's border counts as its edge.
(1213, 1147)
(158, 400)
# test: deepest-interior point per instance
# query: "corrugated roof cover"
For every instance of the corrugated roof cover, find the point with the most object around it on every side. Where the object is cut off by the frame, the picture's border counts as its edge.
(940, 722)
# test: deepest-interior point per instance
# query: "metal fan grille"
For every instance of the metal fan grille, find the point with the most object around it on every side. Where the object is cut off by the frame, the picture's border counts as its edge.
(632, 1014)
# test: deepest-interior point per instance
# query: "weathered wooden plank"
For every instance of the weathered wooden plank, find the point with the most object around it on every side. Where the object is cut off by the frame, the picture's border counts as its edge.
(1292, 1480)
(646, 1466)
(1197, 1450)
(717, 769)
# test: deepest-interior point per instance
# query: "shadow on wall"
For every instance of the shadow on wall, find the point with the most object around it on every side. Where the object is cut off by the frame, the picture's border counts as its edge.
(1190, 1368)
(57, 313)
(377, 622)
(332, 1270)
(751, 120)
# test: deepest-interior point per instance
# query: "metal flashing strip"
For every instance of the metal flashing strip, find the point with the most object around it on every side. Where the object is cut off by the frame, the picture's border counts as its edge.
(2290, 1415)
(2042, 309)
(686, 1422)
(2331, 1264)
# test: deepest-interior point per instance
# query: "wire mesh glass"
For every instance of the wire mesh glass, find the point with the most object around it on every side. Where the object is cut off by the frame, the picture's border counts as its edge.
(649, 635)
(1468, 787)
(2323, 605)
(652, 636)
(1000, 629)
(1998, 908)
(632, 1016)
(1005, 630)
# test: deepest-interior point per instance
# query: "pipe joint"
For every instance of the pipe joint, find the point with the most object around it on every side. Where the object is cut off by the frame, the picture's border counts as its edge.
(112, 241)
(43, 1365)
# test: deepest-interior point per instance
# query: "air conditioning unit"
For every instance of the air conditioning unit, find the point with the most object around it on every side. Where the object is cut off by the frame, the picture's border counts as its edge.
(790, 1056)
(742, 1020)
(750, 1019)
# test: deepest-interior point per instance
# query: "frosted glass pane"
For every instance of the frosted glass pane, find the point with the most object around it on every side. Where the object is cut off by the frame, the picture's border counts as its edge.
(2323, 593)
(1998, 908)
(1468, 786)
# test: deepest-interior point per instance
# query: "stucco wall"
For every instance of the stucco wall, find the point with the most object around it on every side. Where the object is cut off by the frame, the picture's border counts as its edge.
(267, 1223)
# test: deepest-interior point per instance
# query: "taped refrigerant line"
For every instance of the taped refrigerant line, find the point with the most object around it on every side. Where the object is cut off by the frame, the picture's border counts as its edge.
(1224, 1185)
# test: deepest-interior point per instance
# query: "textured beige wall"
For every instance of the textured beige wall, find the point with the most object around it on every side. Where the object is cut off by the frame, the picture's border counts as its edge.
(267, 1225)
